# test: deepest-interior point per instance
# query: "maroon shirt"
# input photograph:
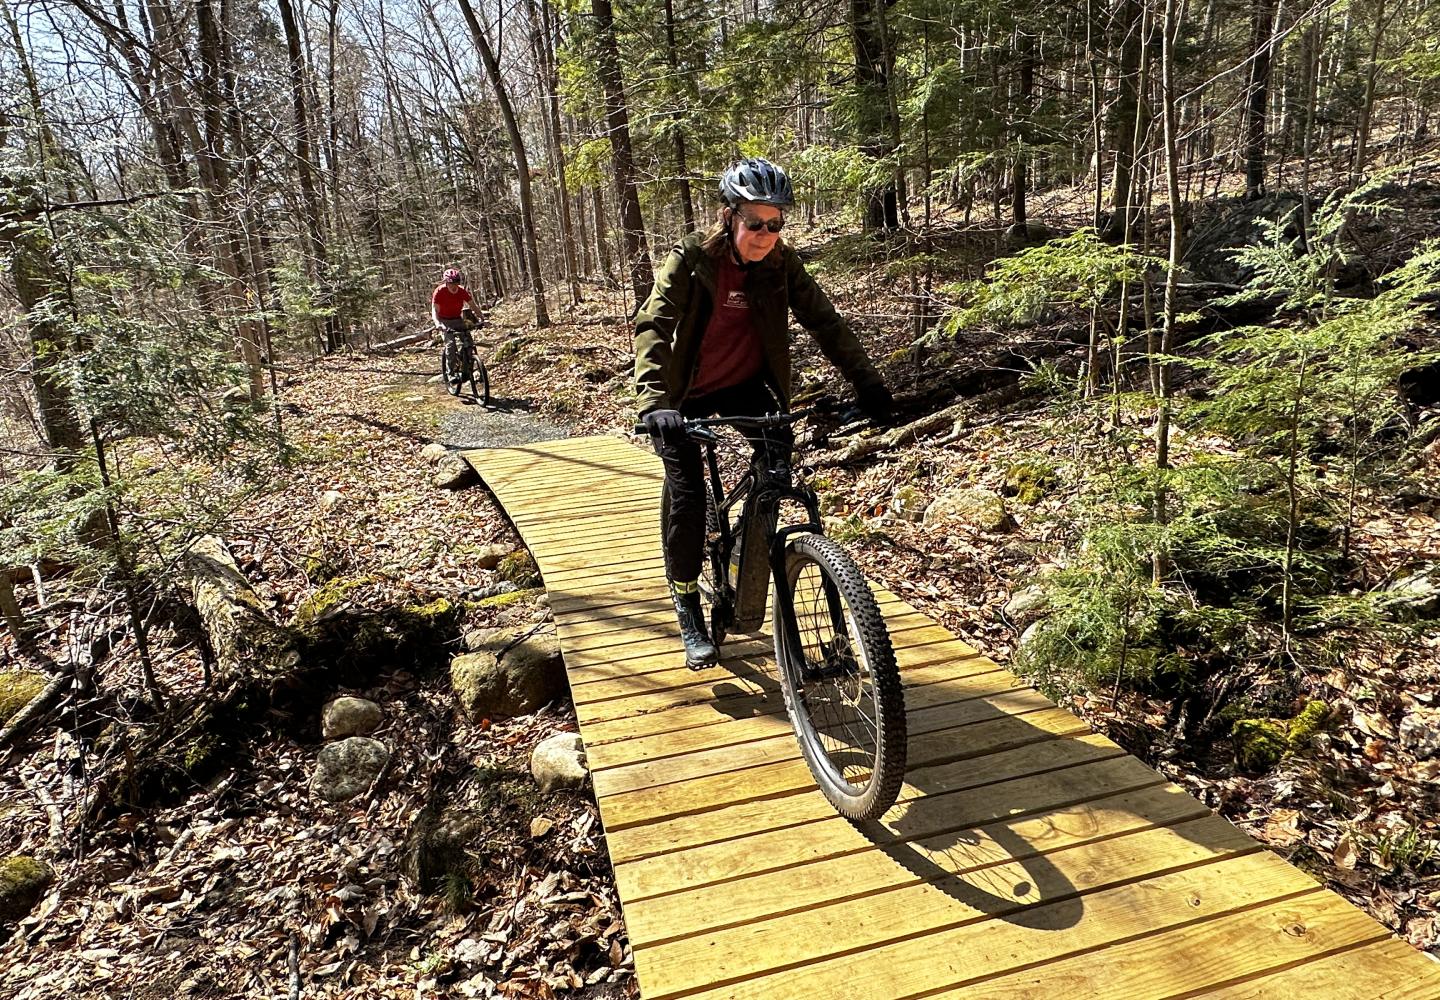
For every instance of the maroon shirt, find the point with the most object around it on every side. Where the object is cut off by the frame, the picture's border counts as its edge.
(730, 351)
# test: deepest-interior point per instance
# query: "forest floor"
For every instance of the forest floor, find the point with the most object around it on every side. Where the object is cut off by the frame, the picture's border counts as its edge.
(226, 889)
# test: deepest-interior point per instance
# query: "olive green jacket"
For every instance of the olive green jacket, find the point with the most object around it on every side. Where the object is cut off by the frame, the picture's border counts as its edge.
(669, 326)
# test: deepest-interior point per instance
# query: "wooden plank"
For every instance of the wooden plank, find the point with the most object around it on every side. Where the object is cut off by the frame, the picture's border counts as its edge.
(633, 739)
(1362, 972)
(982, 897)
(678, 755)
(788, 775)
(1156, 965)
(968, 953)
(921, 814)
(748, 819)
(752, 676)
(936, 859)
(961, 738)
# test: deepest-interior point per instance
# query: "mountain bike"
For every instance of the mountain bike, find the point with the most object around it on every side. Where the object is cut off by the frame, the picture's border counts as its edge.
(837, 667)
(459, 364)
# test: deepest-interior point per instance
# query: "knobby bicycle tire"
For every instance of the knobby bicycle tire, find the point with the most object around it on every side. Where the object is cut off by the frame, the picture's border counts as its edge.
(715, 587)
(840, 682)
(447, 369)
(480, 382)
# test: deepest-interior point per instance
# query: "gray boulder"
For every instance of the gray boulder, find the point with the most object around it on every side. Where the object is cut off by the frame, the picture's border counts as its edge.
(433, 452)
(508, 674)
(1026, 607)
(349, 717)
(559, 762)
(347, 768)
(974, 508)
(1416, 595)
(454, 473)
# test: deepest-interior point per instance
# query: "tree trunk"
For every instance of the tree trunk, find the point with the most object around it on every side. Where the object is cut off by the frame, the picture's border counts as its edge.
(872, 81)
(1160, 562)
(682, 166)
(1262, 37)
(1020, 127)
(542, 36)
(318, 264)
(617, 119)
(522, 162)
(1127, 108)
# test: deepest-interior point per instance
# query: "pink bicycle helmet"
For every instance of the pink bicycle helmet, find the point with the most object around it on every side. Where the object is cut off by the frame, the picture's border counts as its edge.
(454, 275)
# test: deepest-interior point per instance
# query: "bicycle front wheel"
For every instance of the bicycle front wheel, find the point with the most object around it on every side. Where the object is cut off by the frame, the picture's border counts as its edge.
(448, 370)
(480, 383)
(841, 685)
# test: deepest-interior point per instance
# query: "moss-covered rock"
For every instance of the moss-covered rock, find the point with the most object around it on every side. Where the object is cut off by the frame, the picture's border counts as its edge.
(17, 689)
(1030, 482)
(23, 880)
(328, 601)
(510, 598)
(334, 629)
(519, 568)
(1305, 725)
(1259, 743)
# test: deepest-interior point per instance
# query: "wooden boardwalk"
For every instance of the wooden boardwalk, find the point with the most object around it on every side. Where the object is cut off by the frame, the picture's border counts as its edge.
(1027, 857)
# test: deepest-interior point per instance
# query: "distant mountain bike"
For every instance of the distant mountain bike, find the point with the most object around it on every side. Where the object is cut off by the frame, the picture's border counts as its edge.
(459, 364)
(837, 667)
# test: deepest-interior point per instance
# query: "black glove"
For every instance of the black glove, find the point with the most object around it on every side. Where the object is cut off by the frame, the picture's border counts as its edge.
(875, 401)
(664, 424)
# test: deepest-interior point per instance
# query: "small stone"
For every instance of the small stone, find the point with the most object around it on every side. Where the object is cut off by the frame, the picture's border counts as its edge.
(349, 717)
(541, 825)
(907, 504)
(331, 499)
(348, 768)
(489, 556)
(559, 762)
(433, 452)
(1420, 732)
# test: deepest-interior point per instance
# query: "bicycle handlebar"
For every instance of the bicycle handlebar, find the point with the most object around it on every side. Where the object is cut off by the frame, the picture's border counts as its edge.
(769, 420)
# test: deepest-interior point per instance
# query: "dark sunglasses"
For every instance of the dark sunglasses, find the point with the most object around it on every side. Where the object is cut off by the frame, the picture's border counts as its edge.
(755, 225)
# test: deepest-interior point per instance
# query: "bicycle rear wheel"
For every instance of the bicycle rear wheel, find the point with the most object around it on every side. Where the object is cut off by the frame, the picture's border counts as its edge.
(841, 685)
(717, 593)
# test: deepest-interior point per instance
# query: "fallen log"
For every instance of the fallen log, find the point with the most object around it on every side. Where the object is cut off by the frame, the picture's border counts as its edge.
(947, 419)
(242, 637)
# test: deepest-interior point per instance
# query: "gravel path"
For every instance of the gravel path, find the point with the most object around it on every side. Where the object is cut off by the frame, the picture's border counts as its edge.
(506, 422)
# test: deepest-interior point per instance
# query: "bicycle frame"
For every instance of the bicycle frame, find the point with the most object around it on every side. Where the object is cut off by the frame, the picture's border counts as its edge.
(759, 493)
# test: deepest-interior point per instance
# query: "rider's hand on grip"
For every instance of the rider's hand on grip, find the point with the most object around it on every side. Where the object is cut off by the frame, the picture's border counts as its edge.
(664, 424)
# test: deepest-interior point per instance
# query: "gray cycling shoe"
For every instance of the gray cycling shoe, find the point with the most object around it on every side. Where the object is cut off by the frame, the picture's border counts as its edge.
(700, 649)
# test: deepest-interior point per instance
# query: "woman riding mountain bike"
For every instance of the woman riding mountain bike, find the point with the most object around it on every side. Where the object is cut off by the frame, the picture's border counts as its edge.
(713, 338)
(453, 311)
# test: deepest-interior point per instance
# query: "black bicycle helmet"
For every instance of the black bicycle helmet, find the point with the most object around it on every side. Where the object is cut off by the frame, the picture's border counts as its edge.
(756, 180)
